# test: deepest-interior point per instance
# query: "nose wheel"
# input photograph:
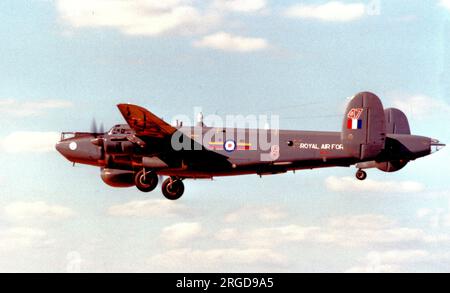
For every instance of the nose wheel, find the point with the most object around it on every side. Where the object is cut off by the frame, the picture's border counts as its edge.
(173, 188)
(361, 175)
(146, 181)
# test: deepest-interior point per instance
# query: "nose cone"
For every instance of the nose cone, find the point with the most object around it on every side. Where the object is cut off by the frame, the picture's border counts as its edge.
(80, 150)
(66, 148)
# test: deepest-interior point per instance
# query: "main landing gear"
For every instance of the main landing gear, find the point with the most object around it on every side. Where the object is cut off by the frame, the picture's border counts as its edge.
(146, 181)
(173, 188)
(361, 175)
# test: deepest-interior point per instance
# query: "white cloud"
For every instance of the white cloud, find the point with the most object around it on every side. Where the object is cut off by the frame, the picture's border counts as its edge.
(29, 142)
(14, 108)
(228, 42)
(420, 106)
(216, 259)
(181, 232)
(331, 11)
(344, 236)
(351, 185)
(345, 231)
(270, 214)
(23, 238)
(137, 17)
(436, 218)
(268, 237)
(36, 211)
(147, 208)
(389, 261)
(369, 230)
(246, 6)
(423, 212)
(368, 221)
(227, 234)
(445, 4)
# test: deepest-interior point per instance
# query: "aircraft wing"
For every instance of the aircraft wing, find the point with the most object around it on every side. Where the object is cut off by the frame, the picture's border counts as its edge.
(144, 122)
(148, 125)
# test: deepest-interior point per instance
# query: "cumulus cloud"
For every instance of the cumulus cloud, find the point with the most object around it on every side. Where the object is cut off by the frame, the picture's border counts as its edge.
(216, 259)
(22, 210)
(371, 229)
(147, 209)
(246, 6)
(137, 17)
(36, 211)
(274, 236)
(420, 106)
(14, 108)
(350, 185)
(228, 42)
(333, 11)
(367, 221)
(181, 232)
(346, 231)
(271, 214)
(23, 238)
(445, 4)
(436, 218)
(390, 261)
(29, 142)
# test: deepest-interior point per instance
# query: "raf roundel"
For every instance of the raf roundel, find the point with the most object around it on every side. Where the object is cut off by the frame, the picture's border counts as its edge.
(73, 146)
(229, 146)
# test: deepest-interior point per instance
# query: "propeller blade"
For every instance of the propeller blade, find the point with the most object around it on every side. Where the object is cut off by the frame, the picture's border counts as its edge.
(93, 126)
(102, 129)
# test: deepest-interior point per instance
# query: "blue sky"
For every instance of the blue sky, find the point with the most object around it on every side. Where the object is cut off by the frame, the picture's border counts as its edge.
(64, 62)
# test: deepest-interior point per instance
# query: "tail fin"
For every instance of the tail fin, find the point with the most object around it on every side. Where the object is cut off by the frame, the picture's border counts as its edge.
(364, 127)
(396, 121)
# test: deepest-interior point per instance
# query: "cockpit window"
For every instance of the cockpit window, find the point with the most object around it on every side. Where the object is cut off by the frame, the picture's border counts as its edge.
(120, 129)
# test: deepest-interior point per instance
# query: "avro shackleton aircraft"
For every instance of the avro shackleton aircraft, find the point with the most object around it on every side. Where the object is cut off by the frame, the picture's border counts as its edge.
(141, 151)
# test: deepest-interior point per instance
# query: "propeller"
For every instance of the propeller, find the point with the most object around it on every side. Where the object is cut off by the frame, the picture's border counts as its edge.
(98, 141)
(94, 126)
(95, 129)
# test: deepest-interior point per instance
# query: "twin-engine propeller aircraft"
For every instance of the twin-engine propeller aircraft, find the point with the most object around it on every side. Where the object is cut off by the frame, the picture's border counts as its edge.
(146, 148)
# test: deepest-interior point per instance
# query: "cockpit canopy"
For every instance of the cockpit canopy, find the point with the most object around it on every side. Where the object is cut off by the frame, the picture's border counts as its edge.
(120, 129)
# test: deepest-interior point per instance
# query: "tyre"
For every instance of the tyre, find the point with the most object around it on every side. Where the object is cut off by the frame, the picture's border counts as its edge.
(146, 183)
(361, 175)
(172, 189)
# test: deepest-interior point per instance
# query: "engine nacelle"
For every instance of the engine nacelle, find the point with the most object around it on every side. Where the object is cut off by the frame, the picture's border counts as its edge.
(117, 178)
(391, 166)
(118, 147)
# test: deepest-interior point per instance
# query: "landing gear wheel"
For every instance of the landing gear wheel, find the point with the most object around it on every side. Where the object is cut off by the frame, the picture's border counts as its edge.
(146, 183)
(172, 188)
(361, 175)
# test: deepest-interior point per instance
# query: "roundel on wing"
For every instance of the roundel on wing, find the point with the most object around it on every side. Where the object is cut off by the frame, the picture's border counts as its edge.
(229, 145)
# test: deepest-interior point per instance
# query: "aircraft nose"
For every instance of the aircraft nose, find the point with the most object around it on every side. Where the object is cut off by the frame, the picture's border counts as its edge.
(65, 147)
(436, 145)
(80, 149)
